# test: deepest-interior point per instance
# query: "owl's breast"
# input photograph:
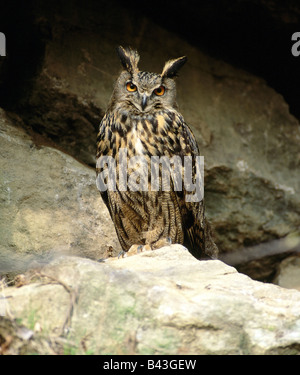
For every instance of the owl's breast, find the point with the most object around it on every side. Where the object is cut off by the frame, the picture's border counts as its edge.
(154, 135)
(158, 134)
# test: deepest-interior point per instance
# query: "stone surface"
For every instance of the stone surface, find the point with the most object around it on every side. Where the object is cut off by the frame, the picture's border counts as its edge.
(249, 139)
(288, 274)
(158, 302)
(49, 203)
(245, 131)
(55, 84)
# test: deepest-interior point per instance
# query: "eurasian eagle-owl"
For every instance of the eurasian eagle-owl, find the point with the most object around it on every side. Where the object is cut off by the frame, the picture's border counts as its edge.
(142, 124)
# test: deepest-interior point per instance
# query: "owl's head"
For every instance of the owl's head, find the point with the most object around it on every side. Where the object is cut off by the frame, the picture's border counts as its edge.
(142, 92)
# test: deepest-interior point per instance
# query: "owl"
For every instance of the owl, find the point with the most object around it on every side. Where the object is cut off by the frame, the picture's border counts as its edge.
(142, 125)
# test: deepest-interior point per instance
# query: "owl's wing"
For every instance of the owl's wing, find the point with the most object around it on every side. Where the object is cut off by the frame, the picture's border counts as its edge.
(196, 229)
(103, 147)
(104, 136)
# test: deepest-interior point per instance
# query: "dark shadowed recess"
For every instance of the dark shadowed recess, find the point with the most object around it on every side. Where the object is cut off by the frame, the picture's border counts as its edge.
(251, 34)
(254, 35)
(25, 48)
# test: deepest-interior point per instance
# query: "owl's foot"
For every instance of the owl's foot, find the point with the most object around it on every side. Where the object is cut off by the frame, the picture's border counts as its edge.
(136, 249)
(162, 242)
(122, 254)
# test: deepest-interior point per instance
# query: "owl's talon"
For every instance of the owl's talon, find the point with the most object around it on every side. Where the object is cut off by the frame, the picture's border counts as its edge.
(139, 249)
(122, 254)
(167, 241)
(135, 249)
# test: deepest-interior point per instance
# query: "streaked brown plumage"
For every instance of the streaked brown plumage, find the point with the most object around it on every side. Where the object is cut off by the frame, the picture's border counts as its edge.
(143, 118)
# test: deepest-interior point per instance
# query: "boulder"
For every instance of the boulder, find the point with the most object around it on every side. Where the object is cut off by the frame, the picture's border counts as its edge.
(55, 84)
(156, 302)
(288, 274)
(49, 203)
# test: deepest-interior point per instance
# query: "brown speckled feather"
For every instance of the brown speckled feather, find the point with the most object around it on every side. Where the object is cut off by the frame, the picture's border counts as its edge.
(157, 129)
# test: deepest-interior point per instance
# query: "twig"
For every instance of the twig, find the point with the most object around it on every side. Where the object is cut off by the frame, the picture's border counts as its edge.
(73, 299)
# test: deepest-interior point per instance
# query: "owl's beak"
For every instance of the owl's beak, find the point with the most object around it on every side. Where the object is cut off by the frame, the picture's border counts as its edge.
(144, 101)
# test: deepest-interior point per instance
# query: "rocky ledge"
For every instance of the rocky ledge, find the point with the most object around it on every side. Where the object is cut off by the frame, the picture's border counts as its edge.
(159, 302)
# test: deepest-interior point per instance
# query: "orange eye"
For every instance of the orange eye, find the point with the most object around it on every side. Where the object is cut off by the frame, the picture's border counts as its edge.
(159, 91)
(131, 87)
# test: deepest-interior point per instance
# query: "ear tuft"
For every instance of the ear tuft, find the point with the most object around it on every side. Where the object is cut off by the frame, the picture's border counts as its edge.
(129, 59)
(172, 67)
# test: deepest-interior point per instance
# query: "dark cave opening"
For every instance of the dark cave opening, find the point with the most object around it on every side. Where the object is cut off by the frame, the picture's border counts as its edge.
(254, 35)
(25, 53)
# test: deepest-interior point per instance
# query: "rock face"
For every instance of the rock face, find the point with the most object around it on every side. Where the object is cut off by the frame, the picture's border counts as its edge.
(288, 275)
(49, 203)
(158, 302)
(55, 84)
(249, 139)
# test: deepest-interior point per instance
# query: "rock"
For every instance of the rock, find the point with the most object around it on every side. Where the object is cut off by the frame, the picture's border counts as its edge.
(288, 275)
(49, 203)
(245, 131)
(259, 260)
(158, 302)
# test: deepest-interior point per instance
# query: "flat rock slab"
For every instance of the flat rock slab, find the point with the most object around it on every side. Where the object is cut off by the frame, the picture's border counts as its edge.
(159, 302)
